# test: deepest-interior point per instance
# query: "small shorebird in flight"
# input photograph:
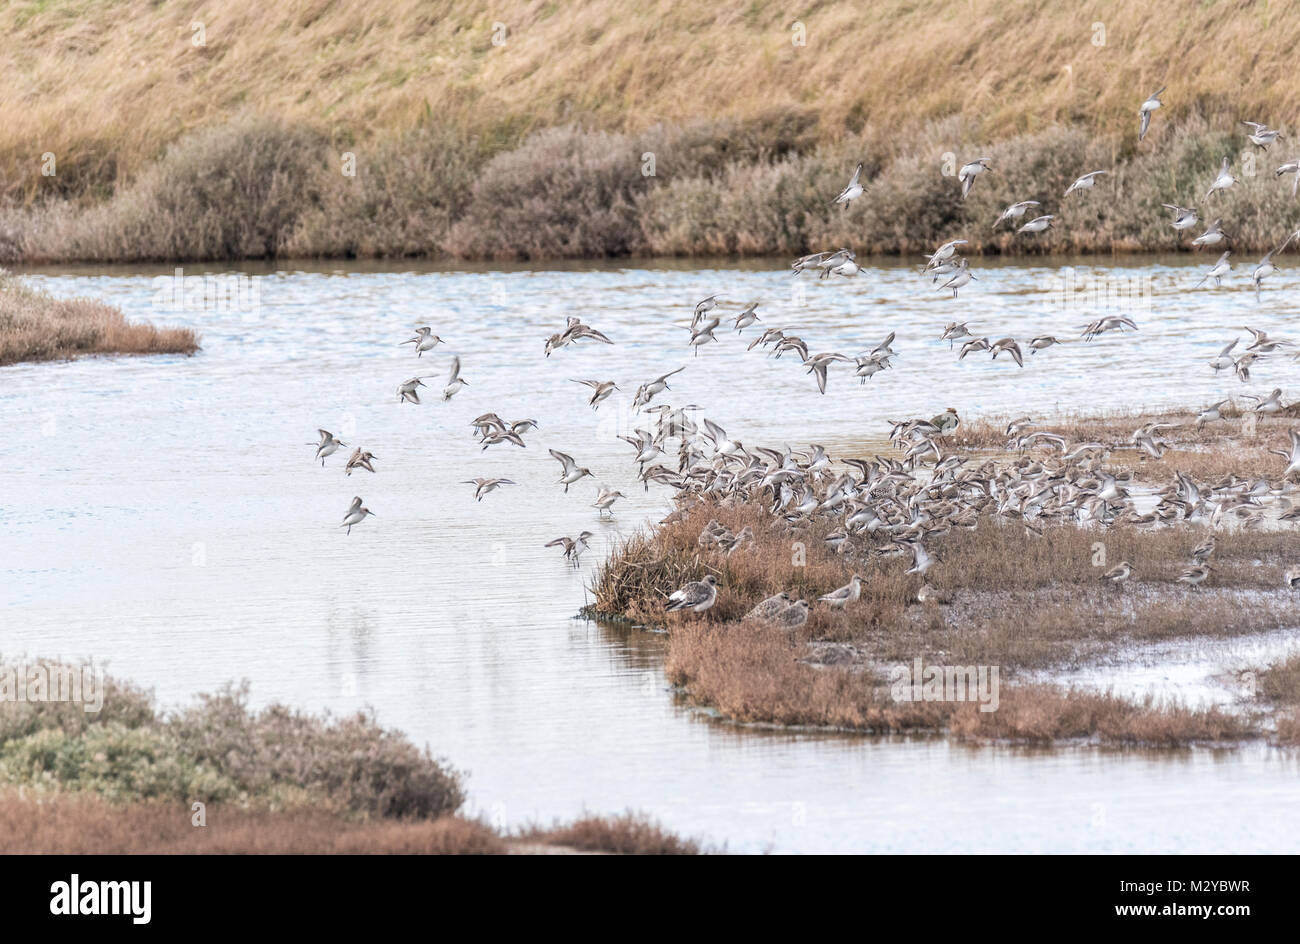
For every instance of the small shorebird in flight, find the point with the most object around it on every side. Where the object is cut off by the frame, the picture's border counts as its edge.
(1086, 182)
(1217, 272)
(648, 391)
(955, 331)
(327, 446)
(454, 380)
(696, 596)
(1265, 268)
(850, 592)
(1212, 236)
(1009, 346)
(961, 277)
(1223, 360)
(702, 308)
(356, 514)
(1223, 181)
(747, 317)
(573, 547)
(1292, 455)
(407, 392)
(1037, 225)
(853, 190)
(943, 254)
(969, 171)
(1292, 168)
(601, 391)
(424, 340)
(1262, 135)
(605, 499)
(571, 471)
(1042, 343)
(1184, 217)
(1144, 113)
(1015, 211)
(484, 487)
(360, 460)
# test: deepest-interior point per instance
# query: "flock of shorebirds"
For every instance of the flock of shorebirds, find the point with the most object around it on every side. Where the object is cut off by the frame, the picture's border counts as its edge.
(897, 506)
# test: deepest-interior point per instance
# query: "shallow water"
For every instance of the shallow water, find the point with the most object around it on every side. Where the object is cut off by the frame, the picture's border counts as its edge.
(165, 514)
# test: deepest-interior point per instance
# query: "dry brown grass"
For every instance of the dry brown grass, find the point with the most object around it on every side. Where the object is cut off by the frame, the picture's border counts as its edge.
(84, 824)
(760, 674)
(628, 834)
(35, 326)
(108, 87)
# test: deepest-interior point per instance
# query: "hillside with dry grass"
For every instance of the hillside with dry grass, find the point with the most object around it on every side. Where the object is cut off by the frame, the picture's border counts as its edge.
(756, 114)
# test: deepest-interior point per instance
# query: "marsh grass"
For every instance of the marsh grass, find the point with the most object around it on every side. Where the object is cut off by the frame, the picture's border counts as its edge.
(36, 326)
(626, 834)
(1024, 601)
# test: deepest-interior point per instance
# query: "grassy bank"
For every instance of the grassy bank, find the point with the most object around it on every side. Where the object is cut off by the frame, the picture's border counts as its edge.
(535, 146)
(126, 778)
(36, 326)
(1027, 600)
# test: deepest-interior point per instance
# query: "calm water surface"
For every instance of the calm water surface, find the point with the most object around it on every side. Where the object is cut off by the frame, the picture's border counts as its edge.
(165, 514)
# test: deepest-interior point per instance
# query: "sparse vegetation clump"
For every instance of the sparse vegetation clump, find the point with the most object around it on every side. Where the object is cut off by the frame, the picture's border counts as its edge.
(1027, 599)
(36, 326)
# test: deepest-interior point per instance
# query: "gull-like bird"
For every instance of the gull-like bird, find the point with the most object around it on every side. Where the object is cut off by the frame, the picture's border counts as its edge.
(1086, 182)
(1144, 113)
(853, 190)
(1015, 211)
(424, 340)
(327, 446)
(1223, 181)
(1184, 217)
(969, 171)
(454, 380)
(1217, 272)
(571, 471)
(696, 596)
(356, 514)
(1262, 135)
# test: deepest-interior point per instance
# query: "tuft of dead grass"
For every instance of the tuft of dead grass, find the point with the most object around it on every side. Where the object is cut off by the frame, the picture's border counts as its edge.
(35, 326)
(626, 834)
